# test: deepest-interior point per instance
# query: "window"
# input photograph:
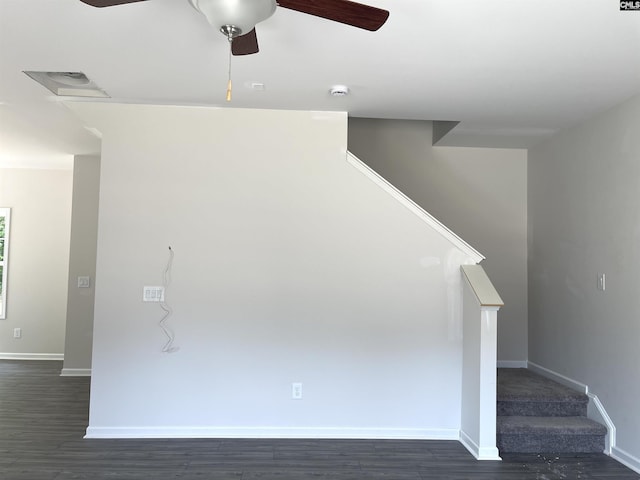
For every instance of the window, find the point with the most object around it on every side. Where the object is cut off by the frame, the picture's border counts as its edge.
(5, 216)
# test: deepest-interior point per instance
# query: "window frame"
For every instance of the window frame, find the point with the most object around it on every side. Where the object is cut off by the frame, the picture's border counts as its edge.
(5, 212)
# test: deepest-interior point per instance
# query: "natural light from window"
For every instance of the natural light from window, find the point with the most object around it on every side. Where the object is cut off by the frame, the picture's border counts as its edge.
(4, 253)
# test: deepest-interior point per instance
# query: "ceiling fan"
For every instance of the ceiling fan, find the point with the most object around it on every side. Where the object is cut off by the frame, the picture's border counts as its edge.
(236, 19)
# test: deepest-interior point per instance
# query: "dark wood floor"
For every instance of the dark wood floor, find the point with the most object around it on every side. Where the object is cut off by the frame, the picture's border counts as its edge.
(43, 418)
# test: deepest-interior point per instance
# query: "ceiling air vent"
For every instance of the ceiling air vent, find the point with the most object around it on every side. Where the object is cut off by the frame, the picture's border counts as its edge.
(68, 84)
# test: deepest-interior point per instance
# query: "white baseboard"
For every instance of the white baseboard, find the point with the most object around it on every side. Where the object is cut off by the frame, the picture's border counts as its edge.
(32, 356)
(566, 381)
(512, 364)
(596, 411)
(626, 459)
(75, 372)
(481, 453)
(273, 432)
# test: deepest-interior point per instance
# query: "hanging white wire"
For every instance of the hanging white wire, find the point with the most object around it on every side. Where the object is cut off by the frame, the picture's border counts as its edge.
(166, 280)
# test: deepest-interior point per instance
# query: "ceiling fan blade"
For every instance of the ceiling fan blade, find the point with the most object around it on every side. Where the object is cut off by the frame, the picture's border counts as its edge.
(108, 3)
(246, 44)
(343, 11)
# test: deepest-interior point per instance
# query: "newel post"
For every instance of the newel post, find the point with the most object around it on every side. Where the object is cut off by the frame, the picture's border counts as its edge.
(481, 303)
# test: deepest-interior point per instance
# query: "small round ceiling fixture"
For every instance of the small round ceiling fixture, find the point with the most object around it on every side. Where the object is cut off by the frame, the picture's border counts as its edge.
(339, 91)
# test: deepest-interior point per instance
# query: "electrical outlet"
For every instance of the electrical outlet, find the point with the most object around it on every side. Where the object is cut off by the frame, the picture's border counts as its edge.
(153, 294)
(84, 282)
(296, 391)
(17, 333)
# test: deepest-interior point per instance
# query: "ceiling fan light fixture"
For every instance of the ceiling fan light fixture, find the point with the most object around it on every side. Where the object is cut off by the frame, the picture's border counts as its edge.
(230, 31)
(243, 15)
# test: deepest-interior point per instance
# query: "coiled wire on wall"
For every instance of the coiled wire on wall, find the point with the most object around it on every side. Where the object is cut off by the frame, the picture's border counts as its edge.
(166, 280)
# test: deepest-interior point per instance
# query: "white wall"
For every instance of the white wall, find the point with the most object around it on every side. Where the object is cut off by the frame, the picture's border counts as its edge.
(40, 202)
(480, 193)
(290, 266)
(584, 214)
(82, 262)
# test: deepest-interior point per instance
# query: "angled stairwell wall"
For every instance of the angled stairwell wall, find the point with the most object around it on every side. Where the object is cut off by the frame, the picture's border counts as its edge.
(290, 266)
(480, 193)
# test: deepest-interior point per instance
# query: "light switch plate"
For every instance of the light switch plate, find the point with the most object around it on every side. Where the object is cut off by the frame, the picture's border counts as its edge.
(84, 282)
(296, 391)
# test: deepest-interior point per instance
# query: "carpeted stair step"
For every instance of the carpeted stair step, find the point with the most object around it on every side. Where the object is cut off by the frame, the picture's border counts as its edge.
(524, 393)
(530, 434)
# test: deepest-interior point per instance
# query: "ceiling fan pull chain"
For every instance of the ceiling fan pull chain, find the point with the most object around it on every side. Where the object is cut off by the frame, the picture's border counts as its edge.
(229, 82)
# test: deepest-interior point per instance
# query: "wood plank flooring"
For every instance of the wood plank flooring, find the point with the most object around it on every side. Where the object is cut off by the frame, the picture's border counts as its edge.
(43, 418)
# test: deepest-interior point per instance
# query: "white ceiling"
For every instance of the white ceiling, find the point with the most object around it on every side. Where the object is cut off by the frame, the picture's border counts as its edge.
(511, 71)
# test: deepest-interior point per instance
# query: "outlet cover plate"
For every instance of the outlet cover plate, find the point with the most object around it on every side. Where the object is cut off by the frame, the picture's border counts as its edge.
(153, 294)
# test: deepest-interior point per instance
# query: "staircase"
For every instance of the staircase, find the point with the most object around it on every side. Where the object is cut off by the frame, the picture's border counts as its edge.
(538, 415)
